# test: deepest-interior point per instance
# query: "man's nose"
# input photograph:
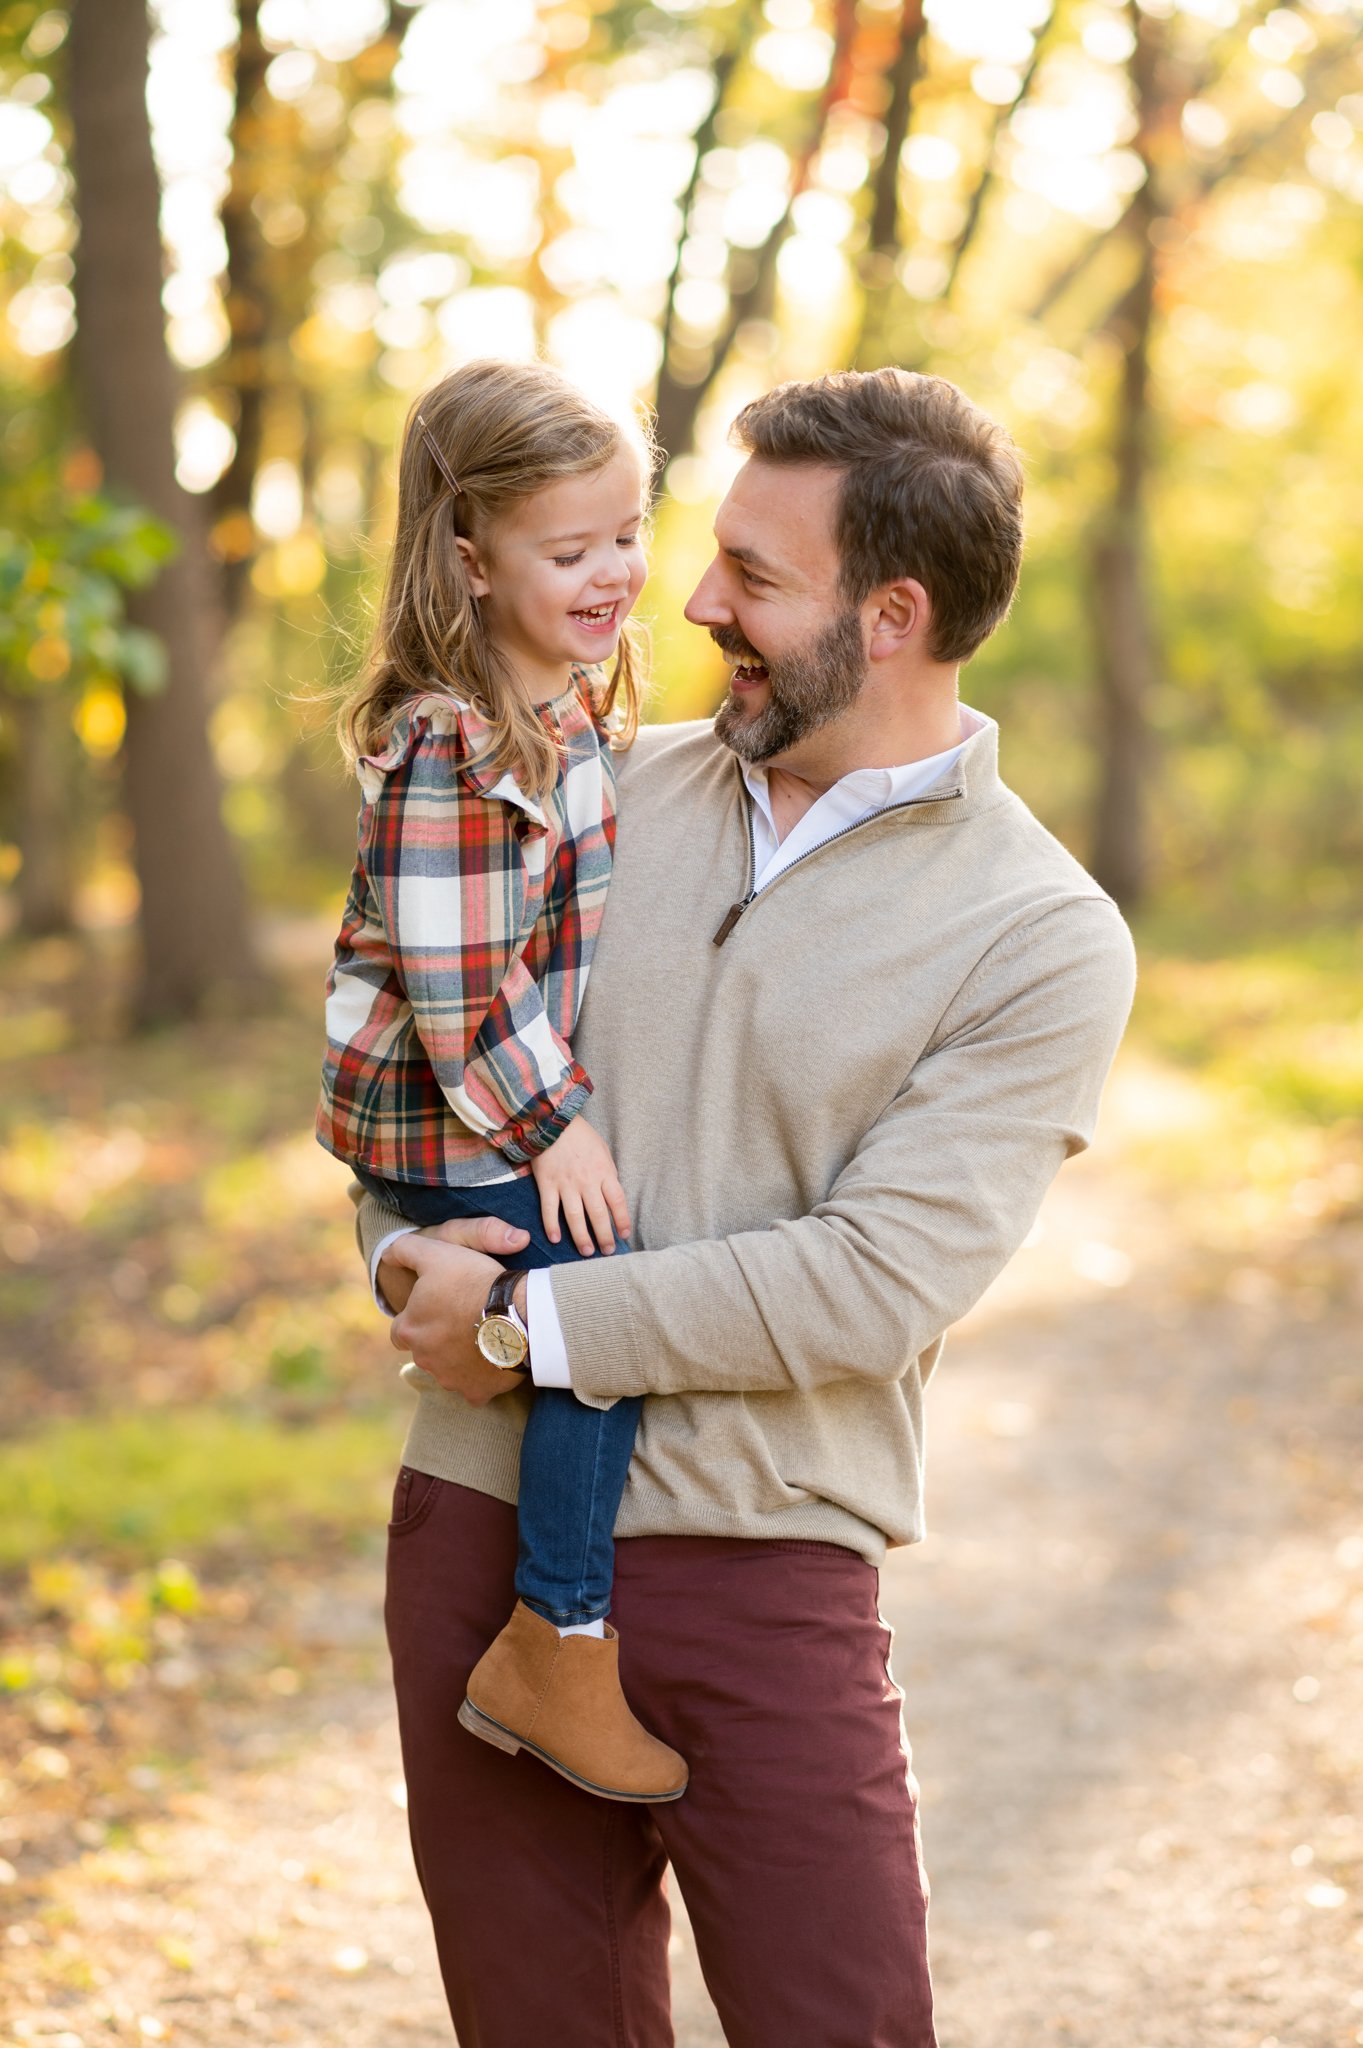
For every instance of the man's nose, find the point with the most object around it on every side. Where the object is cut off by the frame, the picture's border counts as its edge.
(707, 604)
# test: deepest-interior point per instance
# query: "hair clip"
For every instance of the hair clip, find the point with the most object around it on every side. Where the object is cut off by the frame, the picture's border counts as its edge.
(439, 460)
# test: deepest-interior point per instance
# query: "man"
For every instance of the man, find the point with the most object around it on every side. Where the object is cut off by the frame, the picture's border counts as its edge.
(850, 1010)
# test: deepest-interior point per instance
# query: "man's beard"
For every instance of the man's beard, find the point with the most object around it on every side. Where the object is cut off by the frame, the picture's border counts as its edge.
(806, 688)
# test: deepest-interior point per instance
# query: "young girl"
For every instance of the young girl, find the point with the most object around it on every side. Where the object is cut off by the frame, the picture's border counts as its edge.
(481, 738)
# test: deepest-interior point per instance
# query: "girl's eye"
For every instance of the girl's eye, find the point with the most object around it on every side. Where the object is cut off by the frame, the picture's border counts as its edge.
(566, 561)
(628, 540)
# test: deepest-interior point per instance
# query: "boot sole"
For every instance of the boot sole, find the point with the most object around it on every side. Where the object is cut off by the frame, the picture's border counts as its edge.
(487, 1730)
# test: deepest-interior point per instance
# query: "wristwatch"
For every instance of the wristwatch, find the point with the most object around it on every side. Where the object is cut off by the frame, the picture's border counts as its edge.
(499, 1331)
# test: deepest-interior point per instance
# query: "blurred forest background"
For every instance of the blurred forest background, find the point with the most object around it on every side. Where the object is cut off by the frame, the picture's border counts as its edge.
(237, 240)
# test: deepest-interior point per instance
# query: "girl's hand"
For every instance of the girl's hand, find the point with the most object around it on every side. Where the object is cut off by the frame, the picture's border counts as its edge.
(578, 1174)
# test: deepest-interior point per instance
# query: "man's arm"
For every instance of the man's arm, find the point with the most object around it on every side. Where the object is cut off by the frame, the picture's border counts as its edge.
(937, 1198)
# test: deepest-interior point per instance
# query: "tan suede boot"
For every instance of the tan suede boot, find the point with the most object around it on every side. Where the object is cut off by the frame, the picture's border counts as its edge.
(560, 1698)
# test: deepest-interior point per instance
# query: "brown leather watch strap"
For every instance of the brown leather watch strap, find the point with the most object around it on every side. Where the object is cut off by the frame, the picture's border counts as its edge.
(499, 1295)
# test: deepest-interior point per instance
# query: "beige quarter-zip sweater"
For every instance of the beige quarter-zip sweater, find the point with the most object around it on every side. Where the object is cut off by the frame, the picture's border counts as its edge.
(834, 1128)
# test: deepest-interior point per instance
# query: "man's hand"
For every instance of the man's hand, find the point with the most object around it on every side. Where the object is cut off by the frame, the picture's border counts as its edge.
(444, 1276)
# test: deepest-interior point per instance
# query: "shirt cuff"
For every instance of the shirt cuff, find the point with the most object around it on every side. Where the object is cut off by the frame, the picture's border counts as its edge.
(548, 1352)
(379, 1250)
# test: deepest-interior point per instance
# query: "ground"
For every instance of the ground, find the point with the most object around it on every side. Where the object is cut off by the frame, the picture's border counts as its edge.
(1131, 1650)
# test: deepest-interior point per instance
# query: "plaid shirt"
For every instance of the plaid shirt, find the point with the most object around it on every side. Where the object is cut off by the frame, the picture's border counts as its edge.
(464, 950)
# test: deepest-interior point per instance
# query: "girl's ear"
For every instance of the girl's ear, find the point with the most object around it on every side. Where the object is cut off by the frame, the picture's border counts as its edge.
(473, 567)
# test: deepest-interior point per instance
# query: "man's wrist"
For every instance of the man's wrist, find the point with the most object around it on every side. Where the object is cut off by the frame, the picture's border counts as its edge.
(377, 1259)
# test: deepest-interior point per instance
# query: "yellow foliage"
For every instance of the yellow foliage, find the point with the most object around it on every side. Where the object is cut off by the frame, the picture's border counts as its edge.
(293, 569)
(100, 720)
(325, 344)
(49, 658)
(233, 538)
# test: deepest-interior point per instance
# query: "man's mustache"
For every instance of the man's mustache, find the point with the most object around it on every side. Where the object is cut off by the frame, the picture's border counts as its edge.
(731, 643)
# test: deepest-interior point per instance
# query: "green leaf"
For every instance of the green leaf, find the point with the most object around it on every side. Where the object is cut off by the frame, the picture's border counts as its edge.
(142, 660)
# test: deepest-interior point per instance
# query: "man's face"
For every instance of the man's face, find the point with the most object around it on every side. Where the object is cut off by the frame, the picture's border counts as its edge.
(772, 604)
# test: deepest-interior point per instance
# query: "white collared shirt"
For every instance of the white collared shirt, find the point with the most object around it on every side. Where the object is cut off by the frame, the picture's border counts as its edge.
(851, 801)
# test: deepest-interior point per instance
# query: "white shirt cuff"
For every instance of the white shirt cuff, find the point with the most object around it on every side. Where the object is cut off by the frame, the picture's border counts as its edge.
(379, 1250)
(548, 1352)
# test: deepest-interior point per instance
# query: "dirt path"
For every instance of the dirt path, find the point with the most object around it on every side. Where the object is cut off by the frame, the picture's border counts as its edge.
(1133, 1658)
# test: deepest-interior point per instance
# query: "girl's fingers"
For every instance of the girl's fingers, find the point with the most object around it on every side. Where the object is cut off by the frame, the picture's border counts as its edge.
(577, 1222)
(600, 1217)
(618, 1206)
(549, 1211)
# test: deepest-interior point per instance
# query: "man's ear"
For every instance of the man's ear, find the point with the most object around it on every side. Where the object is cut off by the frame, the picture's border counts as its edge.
(473, 567)
(901, 613)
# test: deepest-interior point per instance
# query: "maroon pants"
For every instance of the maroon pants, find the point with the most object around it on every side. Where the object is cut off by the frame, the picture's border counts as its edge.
(795, 1845)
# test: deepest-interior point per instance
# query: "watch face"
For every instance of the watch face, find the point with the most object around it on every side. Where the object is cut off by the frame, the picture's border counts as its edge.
(500, 1342)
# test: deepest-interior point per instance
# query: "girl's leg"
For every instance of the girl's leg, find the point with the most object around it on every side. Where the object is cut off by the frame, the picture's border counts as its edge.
(552, 1693)
(574, 1462)
(574, 1459)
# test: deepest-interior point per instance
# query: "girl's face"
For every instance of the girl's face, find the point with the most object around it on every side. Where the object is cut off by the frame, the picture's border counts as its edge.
(562, 573)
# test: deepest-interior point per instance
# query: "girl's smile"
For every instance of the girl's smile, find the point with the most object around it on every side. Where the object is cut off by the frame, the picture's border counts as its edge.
(600, 619)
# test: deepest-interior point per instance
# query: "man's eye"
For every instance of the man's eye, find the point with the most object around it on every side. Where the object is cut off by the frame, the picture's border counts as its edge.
(754, 582)
(566, 561)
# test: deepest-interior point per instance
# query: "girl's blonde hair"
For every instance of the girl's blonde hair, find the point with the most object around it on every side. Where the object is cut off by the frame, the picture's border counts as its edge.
(486, 437)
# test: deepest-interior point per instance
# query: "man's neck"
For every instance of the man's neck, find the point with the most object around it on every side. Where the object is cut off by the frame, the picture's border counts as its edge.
(797, 779)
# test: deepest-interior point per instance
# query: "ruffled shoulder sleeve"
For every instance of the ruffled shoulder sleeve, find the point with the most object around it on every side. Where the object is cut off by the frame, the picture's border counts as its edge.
(433, 718)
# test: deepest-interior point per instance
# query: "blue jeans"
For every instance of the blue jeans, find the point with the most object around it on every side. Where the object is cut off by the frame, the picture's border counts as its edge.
(574, 1459)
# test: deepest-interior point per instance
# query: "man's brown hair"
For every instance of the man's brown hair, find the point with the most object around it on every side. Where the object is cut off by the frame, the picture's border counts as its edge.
(931, 488)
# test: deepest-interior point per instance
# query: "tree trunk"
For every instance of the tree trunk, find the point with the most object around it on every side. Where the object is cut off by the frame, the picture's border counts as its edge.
(1126, 676)
(1123, 613)
(44, 805)
(1003, 117)
(877, 267)
(195, 934)
(703, 141)
(248, 314)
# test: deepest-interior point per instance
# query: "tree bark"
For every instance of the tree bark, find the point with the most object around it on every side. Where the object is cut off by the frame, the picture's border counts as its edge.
(44, 807)
(248, 308)
(195, 934)
(878, 264)
(1123, 613)
(703, 141)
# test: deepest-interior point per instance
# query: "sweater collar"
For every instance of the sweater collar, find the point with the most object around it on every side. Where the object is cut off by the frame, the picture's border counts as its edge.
(970, 783)
(958, 782)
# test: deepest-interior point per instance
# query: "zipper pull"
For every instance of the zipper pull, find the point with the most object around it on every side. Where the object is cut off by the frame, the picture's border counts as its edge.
(735, 912)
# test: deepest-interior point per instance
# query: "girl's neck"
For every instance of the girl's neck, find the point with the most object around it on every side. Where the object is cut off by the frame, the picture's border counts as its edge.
(539, 682)
(543, 692)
